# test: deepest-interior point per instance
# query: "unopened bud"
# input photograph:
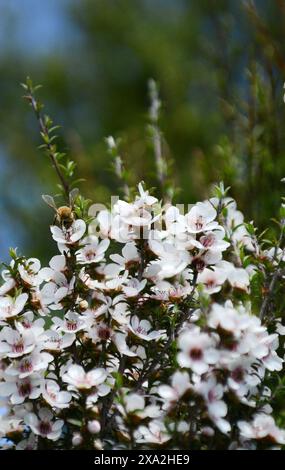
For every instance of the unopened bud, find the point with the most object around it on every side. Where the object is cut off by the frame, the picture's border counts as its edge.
(93, 426)
(208, 431)
(98, 444)
(77, 439)
(83, 305)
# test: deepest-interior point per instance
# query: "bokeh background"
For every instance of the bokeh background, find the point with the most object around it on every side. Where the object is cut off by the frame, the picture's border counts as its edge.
(220, 66)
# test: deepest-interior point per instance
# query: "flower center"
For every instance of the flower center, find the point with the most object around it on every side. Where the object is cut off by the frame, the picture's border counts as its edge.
(104, 333)
(237, 374)
(199, 264)
(90, 254)
(196, 354)
(211, 283)
(8, 309)
(18, 347)
(26, 366)
(211, 396)
(45, 428)
(199, 224)
(24, 389)
(71, 325)
(141, 330)
(207, 241)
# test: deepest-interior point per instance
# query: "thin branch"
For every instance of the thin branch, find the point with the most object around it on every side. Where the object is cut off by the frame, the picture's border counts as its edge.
(45, 132)
(155, 105)
(279, 272)
(172, 336)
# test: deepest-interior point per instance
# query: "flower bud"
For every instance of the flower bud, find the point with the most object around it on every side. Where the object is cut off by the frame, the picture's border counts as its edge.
(77, 439)
(98, 444)
(83, 305)
(93, 426)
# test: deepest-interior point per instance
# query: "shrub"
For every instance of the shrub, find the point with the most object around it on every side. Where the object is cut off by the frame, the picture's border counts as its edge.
(152, 326)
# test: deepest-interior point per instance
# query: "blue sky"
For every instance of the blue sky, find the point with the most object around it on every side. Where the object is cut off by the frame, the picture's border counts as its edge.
(33, 26)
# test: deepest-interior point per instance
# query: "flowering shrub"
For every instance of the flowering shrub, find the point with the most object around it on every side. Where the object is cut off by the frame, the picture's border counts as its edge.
(151, 327)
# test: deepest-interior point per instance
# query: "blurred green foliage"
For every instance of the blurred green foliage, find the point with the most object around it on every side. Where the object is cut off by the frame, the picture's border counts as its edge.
(220, 66)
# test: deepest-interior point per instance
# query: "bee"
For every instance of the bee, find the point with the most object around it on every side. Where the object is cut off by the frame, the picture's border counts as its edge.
(64, 215)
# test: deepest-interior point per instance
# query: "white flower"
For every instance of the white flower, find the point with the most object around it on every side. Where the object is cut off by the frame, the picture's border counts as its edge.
(69, 235)
(10, 307)
(170, 263)
(179, 385)
(238, 278)
(261, 427)
(212, 393)
(29, 364)
(174, 221)
(44, 424)
(93, 250)
(55, 291)
(144, 199)
(201, 218)
(56, 341)
(119, 339)
(29, 272)
(133, 215)
(205, 258)
(27, 322)
(164, 290)
(54, 396)
(197, 350)
(141, 329)
(228, 319)
(280, 328)
(56, 270)
(134, 404)
(212, 279)
(130, 256)
(155, 433)
(8, 285)
(72, 322)
(212, 241)
(15, 344)
(111, 226)
(20, 389)
(133, 287)
(243, 377)
(77, 378)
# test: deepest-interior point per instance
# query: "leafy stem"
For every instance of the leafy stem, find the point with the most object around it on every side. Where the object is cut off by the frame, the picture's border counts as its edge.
(47, 133)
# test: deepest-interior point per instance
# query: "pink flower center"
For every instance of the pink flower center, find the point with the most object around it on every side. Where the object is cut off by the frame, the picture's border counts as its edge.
(90, 254)
(207, 241)
(198, 263)
(8, 309)
(18, 347)
(45, 428)
(71, 325)
(52, 395)
(196, 354)
(211, 396)
(237, 374)
(210, 283)
(199, 224)
(24, 389)
(104, 333)
(141, 330)
(26, 366)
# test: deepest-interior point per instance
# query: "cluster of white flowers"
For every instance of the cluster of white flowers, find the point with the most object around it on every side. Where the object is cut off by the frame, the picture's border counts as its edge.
(139, 333)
